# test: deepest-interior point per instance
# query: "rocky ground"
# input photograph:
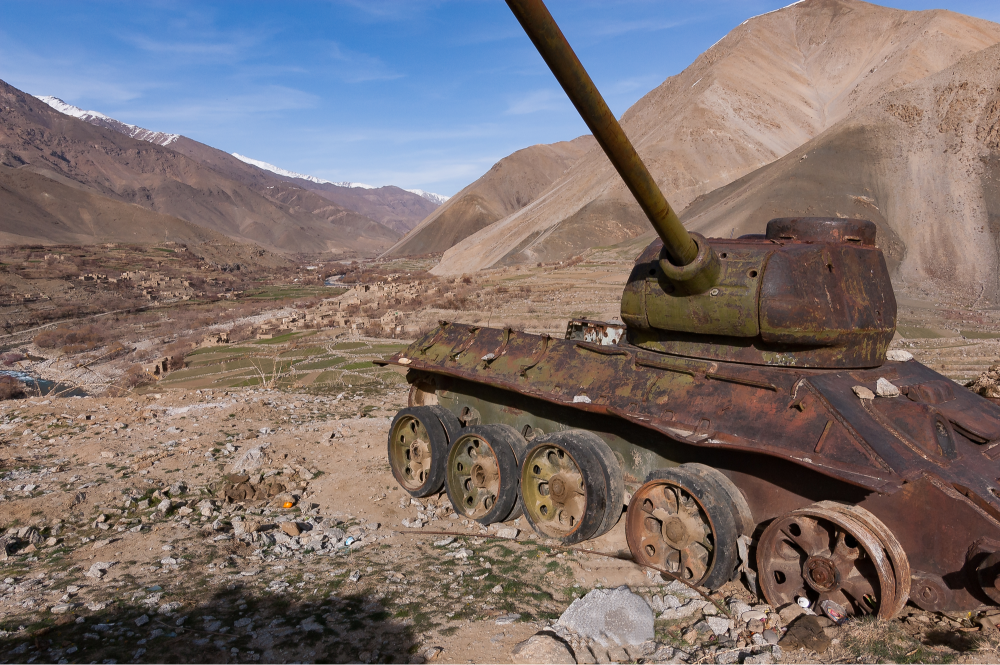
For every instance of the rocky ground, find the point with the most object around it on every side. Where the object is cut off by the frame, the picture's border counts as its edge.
(235, 513)
(258, 526)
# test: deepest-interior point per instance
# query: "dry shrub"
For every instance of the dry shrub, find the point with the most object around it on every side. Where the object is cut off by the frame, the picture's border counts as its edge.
(11, 388)
(176, 361)
(11, 357)
(135, 376)
(73, 340)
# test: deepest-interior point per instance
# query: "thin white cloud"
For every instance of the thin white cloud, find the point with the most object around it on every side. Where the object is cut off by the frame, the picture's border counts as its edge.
(224, 108)
(359, 67)
(539, 100)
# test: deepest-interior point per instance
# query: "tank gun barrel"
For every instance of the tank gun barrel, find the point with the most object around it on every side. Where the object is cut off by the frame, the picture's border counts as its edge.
(565, 65)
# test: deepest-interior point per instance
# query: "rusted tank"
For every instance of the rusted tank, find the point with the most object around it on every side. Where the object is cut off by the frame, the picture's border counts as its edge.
(746, 413)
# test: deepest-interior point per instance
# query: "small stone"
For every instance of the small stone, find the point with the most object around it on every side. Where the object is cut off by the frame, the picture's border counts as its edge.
(680, 589)
(790, 612)
(164, 505)
(770, 636)
(62, 608)
(863, 393)
(618, 654)
(987, 624)
(755, 626)
(662, 655)
(719, 625)
(685, 610)
(505, 619)
(542, 648)
(885, 389)
(509, 533)
(806, 633)
(143, 620)
(760, 659)
(752, 615)
(637, 651)
(291, 528)
(898, 355)
(444, 542)
(431, 653)
(600, 653)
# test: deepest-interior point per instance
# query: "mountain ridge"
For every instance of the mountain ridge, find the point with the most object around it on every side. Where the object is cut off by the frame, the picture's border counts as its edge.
(767, 87)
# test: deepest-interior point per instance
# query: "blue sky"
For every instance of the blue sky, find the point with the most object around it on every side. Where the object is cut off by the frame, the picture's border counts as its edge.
(417, 93)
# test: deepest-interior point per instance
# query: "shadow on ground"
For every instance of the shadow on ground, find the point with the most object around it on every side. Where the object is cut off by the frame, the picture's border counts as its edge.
(233, 626)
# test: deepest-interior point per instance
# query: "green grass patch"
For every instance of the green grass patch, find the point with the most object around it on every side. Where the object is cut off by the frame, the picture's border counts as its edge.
(979, 334)
(287, 337)
(347, 346)
(318, 364)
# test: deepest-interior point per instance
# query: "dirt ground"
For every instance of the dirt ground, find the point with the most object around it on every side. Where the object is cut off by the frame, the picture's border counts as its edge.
(139, 556)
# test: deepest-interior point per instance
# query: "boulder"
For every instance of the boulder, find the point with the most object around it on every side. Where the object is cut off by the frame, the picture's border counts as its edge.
(611, 616)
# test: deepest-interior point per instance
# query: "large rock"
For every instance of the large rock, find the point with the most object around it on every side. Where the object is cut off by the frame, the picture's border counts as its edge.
(611, 616)
(542, 648)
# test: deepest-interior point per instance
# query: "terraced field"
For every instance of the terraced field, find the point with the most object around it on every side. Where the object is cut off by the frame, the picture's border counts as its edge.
(308, 361)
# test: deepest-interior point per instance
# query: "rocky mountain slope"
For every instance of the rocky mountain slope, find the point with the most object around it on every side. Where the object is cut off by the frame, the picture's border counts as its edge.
(512, 183)
(179, 180)
(772, 84)
(397, 208)
(922, 162)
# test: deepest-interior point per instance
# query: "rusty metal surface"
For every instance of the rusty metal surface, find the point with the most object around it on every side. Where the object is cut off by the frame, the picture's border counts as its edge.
(807, 301)
(597, 332)
(808, 418)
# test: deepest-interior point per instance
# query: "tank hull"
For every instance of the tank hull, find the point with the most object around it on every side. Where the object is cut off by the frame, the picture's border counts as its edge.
(922, 462)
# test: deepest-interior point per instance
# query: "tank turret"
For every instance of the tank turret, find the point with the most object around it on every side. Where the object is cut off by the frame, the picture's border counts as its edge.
(811, 292)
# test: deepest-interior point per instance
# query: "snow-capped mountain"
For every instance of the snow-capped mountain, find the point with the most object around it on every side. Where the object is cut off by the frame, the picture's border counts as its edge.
(292, 174)
(436, 199)
(430, 196)
(101, 120)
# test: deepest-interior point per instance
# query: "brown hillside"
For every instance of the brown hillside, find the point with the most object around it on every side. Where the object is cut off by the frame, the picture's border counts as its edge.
(35, 209)
(923, 163)
(105, 162)
(770, 85)
(390, 206)
(512, 183)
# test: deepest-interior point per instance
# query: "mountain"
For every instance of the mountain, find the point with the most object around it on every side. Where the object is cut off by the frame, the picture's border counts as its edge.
(184, 179)
(770, 85)
(399, 209)
(437, 199)
(512, 183)
(391, 206)
(922, 162)
(101, 120)
(40, 209)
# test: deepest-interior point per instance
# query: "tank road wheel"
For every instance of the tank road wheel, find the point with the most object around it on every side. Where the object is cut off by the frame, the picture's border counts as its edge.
(682, 521)
(824, 554)
(741, 509)
(418, 445)
(482, 473)
(564, 490)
